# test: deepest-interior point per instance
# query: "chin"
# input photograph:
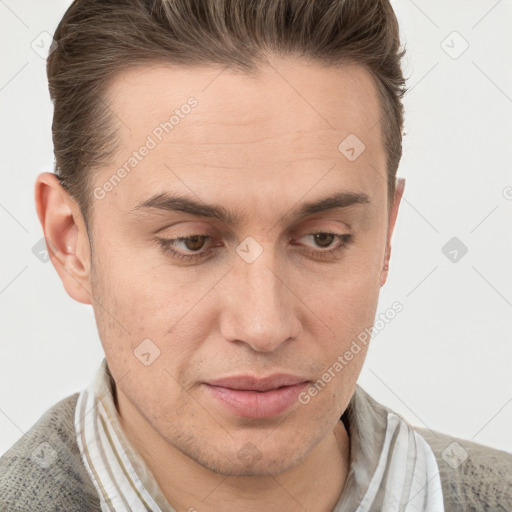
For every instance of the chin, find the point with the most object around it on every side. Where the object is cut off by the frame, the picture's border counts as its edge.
(271, 465)
(249, 460)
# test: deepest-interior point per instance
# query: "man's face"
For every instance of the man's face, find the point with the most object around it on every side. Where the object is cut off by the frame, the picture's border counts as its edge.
(257, 296)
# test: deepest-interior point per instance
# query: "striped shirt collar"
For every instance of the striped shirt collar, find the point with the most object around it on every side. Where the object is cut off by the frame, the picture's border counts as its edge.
(121, 477)
(391, 465)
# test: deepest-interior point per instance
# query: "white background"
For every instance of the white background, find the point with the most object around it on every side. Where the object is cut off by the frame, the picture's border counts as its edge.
(444, 362)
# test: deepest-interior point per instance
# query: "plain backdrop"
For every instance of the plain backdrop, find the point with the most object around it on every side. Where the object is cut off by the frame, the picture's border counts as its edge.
(445, 361)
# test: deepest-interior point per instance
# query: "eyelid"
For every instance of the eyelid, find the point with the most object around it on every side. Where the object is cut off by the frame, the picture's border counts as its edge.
(344, 240)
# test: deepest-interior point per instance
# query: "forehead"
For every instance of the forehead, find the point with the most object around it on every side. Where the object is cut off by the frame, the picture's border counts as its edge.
(280, 128)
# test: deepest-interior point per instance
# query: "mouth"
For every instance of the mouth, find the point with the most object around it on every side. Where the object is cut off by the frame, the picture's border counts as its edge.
(262, 384)
(257, 398)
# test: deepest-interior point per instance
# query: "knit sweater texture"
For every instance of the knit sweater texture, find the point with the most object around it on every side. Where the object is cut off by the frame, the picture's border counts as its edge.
(483, 482)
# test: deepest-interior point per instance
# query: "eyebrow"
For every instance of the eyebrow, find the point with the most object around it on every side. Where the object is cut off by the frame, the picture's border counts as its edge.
(170, 202)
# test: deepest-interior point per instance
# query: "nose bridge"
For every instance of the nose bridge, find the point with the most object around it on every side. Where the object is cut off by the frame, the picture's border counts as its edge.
(260, 308)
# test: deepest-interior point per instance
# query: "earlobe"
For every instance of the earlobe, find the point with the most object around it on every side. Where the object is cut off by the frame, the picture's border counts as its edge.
(66, 235)
(399, 190)
(384, 274)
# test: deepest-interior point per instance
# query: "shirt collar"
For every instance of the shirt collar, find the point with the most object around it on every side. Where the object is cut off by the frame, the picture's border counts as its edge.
(380, 442)
(121, 477)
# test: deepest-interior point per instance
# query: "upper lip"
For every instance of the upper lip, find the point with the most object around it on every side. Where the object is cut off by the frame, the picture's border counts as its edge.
(251, 383)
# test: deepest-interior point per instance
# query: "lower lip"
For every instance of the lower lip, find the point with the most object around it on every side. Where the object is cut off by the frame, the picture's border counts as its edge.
(255, 404)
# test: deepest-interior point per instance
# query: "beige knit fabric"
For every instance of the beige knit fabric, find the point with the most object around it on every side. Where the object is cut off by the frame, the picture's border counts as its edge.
(43, 470)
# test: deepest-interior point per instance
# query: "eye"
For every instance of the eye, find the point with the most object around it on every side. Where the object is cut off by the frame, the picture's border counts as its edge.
(325, 240)
(191, 243)
(195, 243)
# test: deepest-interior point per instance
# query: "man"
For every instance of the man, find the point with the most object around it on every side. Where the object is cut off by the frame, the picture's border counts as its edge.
(225, 197)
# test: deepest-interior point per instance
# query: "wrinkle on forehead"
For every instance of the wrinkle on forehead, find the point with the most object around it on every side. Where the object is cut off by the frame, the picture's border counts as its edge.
(287, 121)
(289, 97)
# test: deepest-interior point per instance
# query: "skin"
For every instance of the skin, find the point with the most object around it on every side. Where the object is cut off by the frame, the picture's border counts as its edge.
(260, 148)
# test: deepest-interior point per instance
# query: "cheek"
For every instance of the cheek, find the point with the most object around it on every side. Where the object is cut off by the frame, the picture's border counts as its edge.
(344, 308)
(142, 285)
(356, 291)
(346, 302)
(145, 317)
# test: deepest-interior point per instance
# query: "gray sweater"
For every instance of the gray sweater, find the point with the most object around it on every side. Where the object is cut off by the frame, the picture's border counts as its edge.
(482, 483)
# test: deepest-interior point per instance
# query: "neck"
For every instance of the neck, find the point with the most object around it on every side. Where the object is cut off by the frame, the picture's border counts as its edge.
(314, 484)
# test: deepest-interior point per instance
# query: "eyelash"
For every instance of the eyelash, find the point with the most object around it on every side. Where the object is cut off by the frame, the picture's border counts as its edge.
(165, 243)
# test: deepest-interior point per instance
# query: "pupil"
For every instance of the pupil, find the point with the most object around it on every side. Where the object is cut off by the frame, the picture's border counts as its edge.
(321, 236)
(192, 244)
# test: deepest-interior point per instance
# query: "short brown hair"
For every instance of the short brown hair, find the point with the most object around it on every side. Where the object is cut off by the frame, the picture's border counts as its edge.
(96, 39)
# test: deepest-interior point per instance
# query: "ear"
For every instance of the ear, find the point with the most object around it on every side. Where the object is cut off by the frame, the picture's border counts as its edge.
(399, 190)
(66, 236)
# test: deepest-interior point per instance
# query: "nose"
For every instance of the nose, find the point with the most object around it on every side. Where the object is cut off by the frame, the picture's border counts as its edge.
(259, 307)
